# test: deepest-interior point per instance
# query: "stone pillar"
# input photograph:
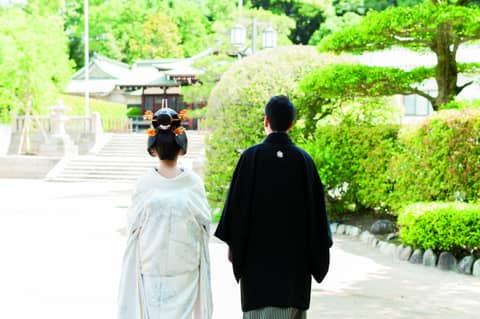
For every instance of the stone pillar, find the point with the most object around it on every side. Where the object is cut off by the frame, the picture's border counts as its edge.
(5, 137)
(97, 123)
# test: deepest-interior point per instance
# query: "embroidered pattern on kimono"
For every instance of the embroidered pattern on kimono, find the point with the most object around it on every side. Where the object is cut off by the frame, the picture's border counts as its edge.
(166, 266)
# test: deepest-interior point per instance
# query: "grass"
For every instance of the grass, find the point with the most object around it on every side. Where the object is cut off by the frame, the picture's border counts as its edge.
(107, 110)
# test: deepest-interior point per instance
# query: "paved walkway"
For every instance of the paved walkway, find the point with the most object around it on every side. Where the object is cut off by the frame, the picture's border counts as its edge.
(61, 255)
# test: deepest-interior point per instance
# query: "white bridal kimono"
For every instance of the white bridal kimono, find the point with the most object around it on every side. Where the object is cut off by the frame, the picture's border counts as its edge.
(166, 266)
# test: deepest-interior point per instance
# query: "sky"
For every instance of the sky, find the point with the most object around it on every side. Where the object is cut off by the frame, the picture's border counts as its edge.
(7, 2)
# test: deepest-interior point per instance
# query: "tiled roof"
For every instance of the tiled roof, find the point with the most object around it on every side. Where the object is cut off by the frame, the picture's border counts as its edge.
(94, 86)
(110, 68)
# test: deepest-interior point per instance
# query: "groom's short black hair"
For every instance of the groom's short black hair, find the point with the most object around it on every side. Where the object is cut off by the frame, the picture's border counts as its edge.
(280, 112)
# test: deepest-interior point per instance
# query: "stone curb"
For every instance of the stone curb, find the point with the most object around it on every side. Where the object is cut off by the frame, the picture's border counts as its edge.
(446, 261)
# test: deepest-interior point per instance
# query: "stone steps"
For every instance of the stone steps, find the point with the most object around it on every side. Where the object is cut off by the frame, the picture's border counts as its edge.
(123, 158)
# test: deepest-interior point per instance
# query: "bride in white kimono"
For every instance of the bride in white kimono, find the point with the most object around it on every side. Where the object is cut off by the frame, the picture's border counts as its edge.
(166, 267)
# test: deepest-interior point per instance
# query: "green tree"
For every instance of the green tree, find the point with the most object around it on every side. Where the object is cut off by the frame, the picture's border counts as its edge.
(114, 25)
(438, 26)
(220, 11)
(334, 24)
(308, 15)
(214, 66)
(191, 19)
(44, 7)
(363, 6)
(159, 39)
(73, 15)
(34, 63)
(282, 24)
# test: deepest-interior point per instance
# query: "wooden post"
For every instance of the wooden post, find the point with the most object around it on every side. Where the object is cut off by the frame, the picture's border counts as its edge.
(25, 135)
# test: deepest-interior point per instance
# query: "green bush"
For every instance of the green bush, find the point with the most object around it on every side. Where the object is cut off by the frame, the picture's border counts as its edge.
(440, 160)
(197, 113)
(354, 163)
(236, 105)
(462, 104)
(134, 111)
(352, 148)
(453, 227)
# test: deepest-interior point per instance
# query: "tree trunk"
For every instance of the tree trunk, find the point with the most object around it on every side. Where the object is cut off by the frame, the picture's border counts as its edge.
(447, 72)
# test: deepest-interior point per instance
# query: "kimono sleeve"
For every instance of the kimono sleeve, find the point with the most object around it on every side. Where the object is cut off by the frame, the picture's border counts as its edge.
(200, 207)
(233, 226)
(320, 236)
(135, 213)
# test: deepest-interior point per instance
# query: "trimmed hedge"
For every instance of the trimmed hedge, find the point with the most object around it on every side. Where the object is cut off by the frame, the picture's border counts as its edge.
(134, 111)
(453, 227)
(366, 165)
(440, 160)
(352, 149)
(236, 105)
(353, 162)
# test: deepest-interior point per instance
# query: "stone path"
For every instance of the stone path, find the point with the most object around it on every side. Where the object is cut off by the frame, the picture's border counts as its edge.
(61, 255)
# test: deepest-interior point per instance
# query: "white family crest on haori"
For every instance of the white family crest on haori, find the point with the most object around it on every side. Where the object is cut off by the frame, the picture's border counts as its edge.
(166, 266)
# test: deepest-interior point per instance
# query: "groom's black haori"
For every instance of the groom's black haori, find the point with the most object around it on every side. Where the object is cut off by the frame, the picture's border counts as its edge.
(275, 223)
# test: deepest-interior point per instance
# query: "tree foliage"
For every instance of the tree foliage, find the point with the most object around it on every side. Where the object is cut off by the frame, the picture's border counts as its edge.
(307, 14)
(361, 7)
(347, 81)
(159, 38)
(332, 24)
(440, 27)
(33, 58)
(118, 27)
(193, 25)
(341, 14)
(214, 66)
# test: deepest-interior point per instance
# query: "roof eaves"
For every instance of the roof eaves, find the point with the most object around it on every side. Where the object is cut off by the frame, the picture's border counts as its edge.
(104, 58)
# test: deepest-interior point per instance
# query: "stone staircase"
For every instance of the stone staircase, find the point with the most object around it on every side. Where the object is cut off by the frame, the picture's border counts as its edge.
(123, 158)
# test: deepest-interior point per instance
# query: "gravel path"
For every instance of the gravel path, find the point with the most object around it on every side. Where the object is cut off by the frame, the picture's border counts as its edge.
(61, 247)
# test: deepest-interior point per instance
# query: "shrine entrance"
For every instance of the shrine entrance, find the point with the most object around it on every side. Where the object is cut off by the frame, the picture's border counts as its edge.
(154, 102)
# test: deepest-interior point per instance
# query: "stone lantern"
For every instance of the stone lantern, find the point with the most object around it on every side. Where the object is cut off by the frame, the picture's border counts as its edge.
(59, 142)
(58, 119)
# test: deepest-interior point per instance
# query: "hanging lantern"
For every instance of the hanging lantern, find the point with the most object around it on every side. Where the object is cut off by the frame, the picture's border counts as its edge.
(238, 34)
(269, 38)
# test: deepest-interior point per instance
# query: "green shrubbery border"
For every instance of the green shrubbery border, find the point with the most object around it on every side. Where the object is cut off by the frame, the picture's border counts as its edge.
(440, 160)
(385, 167)
(354, 163)
(453, 227)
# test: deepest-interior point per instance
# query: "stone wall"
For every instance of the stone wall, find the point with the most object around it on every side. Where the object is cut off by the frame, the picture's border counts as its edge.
(26, 166)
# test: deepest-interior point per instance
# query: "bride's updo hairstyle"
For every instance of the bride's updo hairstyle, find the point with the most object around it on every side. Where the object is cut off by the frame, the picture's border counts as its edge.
(166, 136)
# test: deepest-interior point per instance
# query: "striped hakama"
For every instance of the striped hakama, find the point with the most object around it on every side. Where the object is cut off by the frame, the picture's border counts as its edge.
(275, 313)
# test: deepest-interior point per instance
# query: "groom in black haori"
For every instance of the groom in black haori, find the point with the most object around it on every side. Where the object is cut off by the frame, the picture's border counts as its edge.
(275, 223)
